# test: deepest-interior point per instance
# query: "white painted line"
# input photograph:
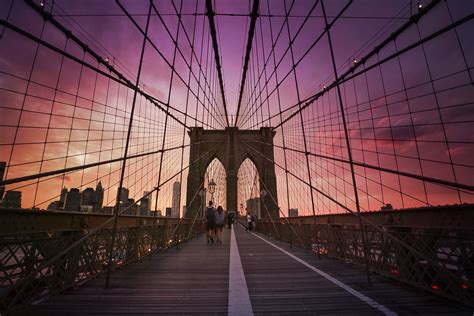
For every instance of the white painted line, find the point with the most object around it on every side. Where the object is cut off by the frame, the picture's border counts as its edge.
(335, 281)
(239, 299)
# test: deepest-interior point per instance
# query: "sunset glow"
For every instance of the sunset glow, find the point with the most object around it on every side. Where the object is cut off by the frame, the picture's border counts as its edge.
(408, 102)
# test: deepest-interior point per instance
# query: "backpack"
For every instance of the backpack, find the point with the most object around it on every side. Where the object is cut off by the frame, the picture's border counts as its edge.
(210, 215)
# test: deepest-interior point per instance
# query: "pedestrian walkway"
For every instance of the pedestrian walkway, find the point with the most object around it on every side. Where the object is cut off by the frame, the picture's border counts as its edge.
(246, 274)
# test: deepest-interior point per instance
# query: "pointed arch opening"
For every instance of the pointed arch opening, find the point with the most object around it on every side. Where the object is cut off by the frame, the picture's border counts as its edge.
(248, 184)
(216, 173)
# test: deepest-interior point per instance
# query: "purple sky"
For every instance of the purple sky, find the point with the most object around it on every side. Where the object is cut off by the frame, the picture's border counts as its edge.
(395, 120)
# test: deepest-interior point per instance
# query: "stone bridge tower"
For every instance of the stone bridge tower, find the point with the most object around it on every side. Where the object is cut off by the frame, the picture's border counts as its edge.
(232, 146)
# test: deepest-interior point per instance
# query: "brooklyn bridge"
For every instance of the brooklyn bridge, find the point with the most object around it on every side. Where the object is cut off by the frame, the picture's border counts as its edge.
(336, 135)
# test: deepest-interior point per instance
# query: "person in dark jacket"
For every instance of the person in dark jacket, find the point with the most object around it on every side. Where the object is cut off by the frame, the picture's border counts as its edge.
(210, 221)
(230, 219)
(249, 222)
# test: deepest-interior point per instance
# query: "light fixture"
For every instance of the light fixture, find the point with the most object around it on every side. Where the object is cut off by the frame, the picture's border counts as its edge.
(263, 193)
(355, 61)
(212, 188)
(420, 6)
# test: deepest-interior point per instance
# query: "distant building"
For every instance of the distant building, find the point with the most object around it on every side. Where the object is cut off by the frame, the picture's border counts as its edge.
(130, 206)
(124, 195)
(98, 198)
(148, 204)
(144, 210)
(387, 207)
(133, 208)
(12, 199)
(62, 198)
(73, 200)
(87, 197)
(253, 206)
(55, 206)
(293, 212)
(168, 212)
(176, 199)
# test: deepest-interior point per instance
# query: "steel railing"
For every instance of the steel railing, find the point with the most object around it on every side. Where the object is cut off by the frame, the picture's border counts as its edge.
(37, 263)
(429, 254)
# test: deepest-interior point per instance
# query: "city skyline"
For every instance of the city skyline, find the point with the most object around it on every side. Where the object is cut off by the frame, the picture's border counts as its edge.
(91, 201)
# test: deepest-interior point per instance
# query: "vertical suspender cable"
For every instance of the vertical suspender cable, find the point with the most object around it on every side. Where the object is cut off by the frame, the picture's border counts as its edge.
(124, 161)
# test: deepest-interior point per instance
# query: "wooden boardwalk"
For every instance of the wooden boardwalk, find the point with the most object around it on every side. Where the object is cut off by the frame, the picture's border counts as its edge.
(195, 280)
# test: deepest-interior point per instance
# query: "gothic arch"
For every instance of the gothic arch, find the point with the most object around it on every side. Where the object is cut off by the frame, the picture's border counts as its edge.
(231, 147)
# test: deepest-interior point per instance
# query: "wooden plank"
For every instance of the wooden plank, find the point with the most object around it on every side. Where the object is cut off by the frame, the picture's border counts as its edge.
(195, 280)
(191, 280)
(279, 284)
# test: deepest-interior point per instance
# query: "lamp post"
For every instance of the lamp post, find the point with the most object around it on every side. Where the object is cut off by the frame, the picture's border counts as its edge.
(212, 189)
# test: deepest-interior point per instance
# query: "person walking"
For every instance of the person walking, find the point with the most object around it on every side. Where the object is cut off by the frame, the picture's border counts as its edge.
(249, 222)
(230, 219)
(254, 222)
(220, 221)
(210, 221)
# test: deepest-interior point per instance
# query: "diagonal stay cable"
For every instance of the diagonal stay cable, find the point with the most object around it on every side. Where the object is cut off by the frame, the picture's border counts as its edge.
(155, 47)
(198, 60)
(367, 221)
(212, 25)
(253, 20)
(374, 167)
(121, 78)
(21, 286)
(274, 199)
(346, 75)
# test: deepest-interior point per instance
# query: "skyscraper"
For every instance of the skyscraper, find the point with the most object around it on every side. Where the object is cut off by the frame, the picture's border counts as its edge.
(123, 195)
(62, 198)
(148, 205)
(145, 204)
(176, 199)
(12, 199)
(132, 208)
(88, 196)
(98, 198)
(144, 211)
(73, 200)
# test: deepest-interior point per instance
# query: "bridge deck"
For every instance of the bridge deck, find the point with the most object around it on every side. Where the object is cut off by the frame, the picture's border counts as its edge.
(195, 279)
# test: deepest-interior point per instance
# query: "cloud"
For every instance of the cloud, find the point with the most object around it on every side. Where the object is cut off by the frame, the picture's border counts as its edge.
(67, 179)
